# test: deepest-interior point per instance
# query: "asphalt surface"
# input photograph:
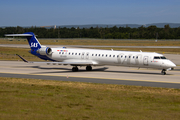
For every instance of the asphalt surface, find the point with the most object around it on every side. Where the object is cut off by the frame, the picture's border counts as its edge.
(93, 80)
(101, 74)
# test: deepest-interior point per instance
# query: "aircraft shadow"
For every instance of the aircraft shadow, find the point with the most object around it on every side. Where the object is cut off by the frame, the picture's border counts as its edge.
(68, 70)
(130, 72)
(45, 68)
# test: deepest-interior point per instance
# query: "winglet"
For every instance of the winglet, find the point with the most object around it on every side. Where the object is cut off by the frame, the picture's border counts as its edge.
(22, 58)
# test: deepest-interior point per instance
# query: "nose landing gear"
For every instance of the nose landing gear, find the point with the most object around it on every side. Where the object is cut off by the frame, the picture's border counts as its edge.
(163, 72)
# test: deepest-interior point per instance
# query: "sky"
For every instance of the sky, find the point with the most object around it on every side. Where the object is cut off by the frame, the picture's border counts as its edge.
(82, 12)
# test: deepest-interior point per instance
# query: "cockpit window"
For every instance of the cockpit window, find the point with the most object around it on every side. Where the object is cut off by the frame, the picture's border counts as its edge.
(159, 57)
(162, 57)
(156, 57)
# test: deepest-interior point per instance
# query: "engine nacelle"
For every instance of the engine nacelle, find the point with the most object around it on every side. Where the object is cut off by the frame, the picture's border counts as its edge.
(45, 51)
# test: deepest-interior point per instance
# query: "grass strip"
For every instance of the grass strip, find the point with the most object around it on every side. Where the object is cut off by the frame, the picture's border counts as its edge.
(106, 42)
(43, 99)
(8, 53)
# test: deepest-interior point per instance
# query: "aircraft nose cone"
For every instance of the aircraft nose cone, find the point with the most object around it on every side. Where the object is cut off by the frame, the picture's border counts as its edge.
(171, 64)
(174, 65)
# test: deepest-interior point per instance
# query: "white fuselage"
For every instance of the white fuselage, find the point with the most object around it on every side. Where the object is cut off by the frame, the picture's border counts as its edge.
(92, 57)
(110, 57)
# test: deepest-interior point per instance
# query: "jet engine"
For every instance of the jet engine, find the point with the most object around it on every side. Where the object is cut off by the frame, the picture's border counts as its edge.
(45, 51)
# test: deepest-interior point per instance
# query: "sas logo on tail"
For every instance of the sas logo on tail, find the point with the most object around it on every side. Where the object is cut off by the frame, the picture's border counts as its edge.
(34, 44)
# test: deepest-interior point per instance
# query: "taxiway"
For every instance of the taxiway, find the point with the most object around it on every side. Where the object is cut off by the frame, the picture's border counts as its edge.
(101, 74)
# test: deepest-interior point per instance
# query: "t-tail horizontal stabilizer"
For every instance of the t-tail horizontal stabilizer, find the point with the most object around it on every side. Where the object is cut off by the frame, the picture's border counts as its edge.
(25, 35)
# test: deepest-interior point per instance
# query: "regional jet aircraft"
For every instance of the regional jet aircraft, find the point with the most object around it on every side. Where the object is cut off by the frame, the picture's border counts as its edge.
(91, 57)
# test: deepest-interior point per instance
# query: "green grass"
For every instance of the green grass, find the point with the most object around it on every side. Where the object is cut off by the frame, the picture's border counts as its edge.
(8, 53)
(110, 42)
(40, 99)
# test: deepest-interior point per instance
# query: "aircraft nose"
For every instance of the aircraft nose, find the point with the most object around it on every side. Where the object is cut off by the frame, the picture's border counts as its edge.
(171, 64)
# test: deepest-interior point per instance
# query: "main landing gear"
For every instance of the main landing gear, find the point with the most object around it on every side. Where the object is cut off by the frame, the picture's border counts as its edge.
(75, 68)
(163, 72)
(88, 68)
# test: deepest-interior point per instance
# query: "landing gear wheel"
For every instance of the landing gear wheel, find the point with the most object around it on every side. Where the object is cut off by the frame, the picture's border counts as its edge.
(88, 68)
(75, 69)
(163, 72)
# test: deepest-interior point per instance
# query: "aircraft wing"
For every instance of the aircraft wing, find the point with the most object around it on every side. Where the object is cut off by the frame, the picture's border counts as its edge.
(71, 62)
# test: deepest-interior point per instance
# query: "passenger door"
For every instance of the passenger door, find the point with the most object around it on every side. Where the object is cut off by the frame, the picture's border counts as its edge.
(145, 60)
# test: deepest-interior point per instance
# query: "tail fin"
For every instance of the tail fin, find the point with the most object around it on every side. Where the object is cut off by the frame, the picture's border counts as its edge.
(32, 40)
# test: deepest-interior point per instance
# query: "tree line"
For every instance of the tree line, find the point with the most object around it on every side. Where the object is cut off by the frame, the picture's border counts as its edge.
(151, 32)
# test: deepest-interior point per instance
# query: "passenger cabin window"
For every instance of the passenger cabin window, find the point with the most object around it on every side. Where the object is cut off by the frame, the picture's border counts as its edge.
(109, 55)
(106, 55)
(69, 53)
(79, 53)
(117, 56)
(92, 54)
